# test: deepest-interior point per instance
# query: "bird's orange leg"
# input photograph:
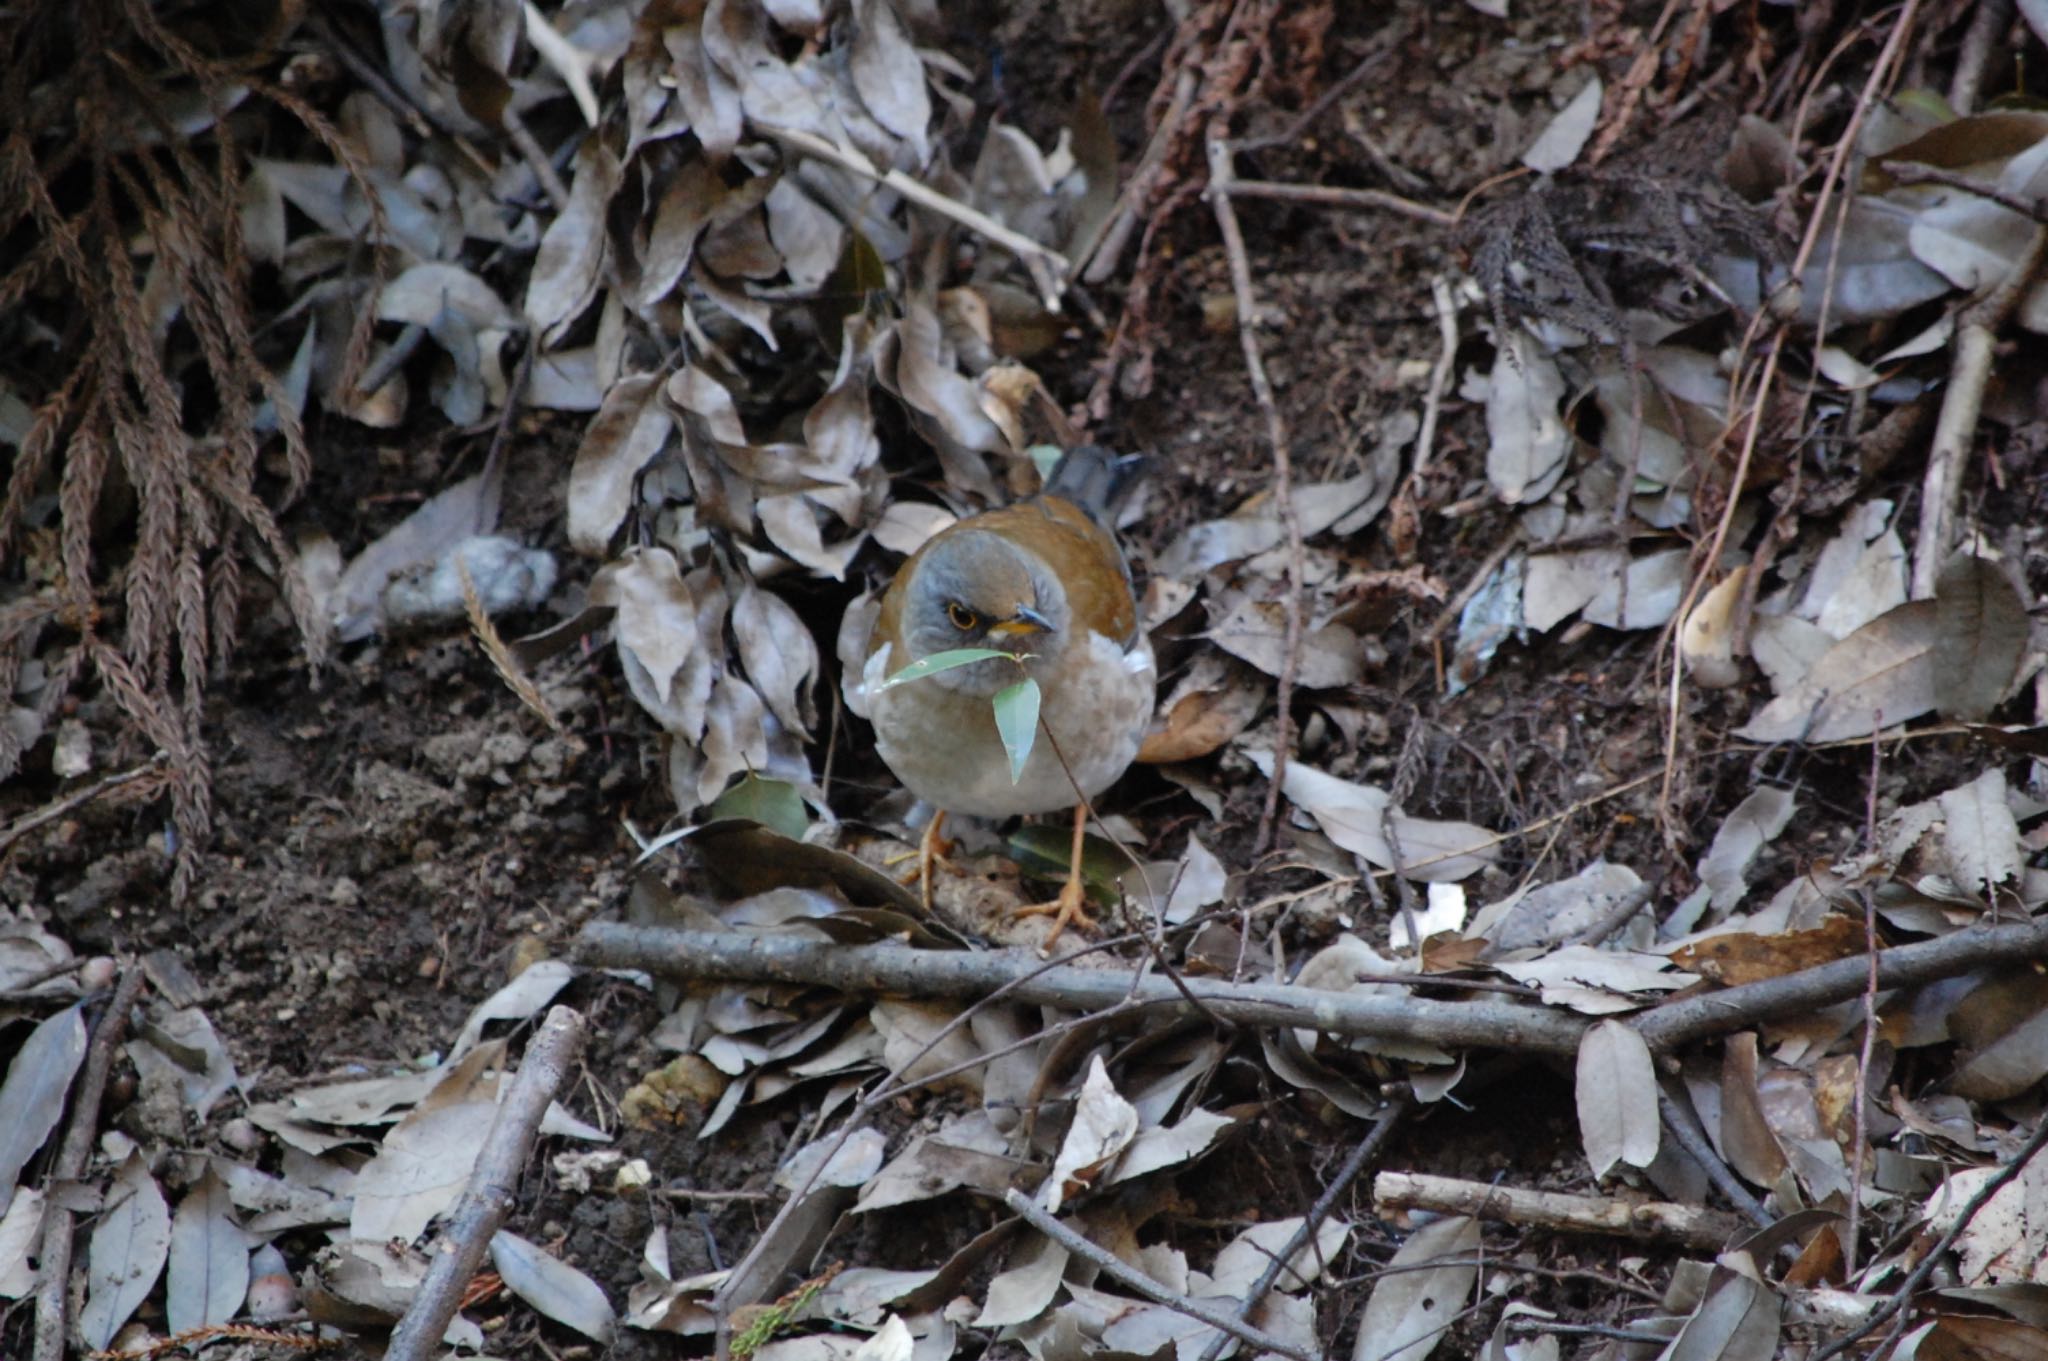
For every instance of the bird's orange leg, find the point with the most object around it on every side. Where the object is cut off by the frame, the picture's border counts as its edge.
(1071, 906)
(932, 848)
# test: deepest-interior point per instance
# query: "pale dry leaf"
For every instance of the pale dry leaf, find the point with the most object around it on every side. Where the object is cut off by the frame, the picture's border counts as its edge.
(1104, 1125)
(1744, 833)
(905, 525)
(2006, 1067)
(519, 1000)
(1616, 1092)
(460, 512)
(889, 76)
(1786, 647)
(209, 1258)
(1982, 838)
(553, 1287)
(1980, 637)
(32, 1098)
(1561, 140)
(569, 266)
(425, 1159)
(891, 1342)
(1363, 820)
(1244, 1259)
(1411, 1310)
(1526, 439)
(1879, 676)
(833, 1160)
(657, 618)
(1171, 1145)
(1875, 585)
(1557, 586)
(1200, 881)
(1255, 631)
(129, 1246)
(1738, 1320)
(624, 437)
(778, 654)
(1645, 596)
(21, 1235)
(1021, 1291)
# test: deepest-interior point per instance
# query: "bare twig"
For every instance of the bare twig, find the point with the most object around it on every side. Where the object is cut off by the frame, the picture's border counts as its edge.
(1112, 1266)
(1912, 172)
(1701, 1230)
(1332, 196)
(536, 158)
(53, 1265)
(1938, 1253)
(76, 799)
(1942, 488)
(488, 1197)
(1446, 303)
(1222, 177)
(1681, 1124)
(1048, 267)
(1985, 35)
(1367, 1149)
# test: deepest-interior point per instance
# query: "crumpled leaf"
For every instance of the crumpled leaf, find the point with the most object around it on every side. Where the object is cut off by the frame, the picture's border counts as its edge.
(1982, 837)
(1104, 1125)
(629, 430)
(1363, 820)
(1756, 821)
(1561, 140)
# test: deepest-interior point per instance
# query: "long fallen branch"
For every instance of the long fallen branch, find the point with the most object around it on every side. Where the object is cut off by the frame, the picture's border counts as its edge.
(903, 971)
(1480, 1023)
(1698, 1229)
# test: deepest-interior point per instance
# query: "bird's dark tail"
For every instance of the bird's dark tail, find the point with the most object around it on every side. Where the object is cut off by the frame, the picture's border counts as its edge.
(1097, 480)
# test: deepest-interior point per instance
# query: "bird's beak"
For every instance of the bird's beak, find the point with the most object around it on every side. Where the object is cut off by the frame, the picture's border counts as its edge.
(1024, 622)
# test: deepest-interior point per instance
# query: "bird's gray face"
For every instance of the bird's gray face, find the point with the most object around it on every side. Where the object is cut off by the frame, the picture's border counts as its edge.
(975, 590)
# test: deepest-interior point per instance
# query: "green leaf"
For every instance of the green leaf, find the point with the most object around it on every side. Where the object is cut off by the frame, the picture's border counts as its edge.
(946, 661)
(774, 804)
(1045, 457)
(1017, 721)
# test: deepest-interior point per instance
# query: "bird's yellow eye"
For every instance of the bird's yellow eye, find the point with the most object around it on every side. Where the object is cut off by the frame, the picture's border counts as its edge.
(962, 618)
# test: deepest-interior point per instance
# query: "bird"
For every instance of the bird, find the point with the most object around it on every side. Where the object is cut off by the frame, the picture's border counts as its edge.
(1044, 580)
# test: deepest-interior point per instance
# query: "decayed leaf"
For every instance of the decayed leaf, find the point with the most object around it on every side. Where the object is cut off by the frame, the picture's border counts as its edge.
(1735, 957)
(778, 653)
(1644, 596)
(1617, 1098)
(1363, 820)
(1215, 701)
(1756, 821)
(1021, 1291)
(460, 512)
(1104, 1125)
(1410, 1311)
(833, 1161)
(1747, 1140)
(1526, 441)
(1980, 635)
(518, 1000)
(209, 1258)
(1982, 837)
(553, 1287)
(129, 1245)
(628, 431)
(570, 263)
(32, 1098)
(1256, 631)
(1880, 675)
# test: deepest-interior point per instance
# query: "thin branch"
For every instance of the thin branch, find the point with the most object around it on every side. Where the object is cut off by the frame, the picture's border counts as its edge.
(1111, 1266)
(488, 1197)
(76, 799)
(1222, 180)
(1333, 196)
(1701, 1230)
(1048, 267)
(1681, 1124)
(1942, 489)
(1938, 1253)
(1368, 1148)
(53, 1263)
(908, 972)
